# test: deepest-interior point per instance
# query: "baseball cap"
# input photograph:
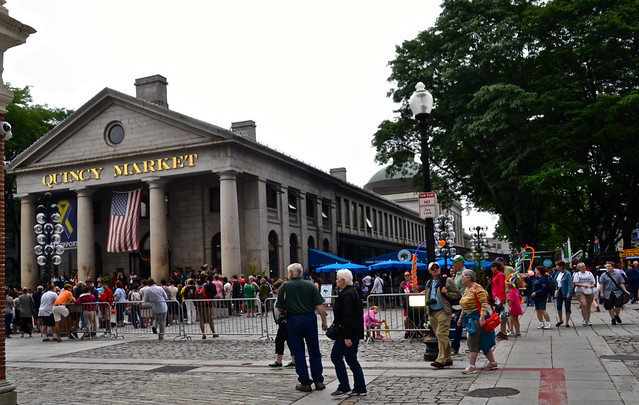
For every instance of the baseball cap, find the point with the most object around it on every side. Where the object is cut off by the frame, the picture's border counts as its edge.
(458, 258)
(500, 259)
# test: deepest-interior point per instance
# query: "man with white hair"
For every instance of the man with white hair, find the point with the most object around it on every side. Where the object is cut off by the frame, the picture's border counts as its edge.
(299, 299)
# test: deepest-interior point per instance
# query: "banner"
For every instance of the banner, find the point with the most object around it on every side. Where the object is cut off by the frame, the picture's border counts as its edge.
(68, 207)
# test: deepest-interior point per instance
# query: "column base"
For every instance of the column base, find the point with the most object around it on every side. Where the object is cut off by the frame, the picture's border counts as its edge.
(8, 394)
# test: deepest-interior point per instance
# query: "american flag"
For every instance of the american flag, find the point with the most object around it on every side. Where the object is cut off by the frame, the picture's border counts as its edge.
(124, 224)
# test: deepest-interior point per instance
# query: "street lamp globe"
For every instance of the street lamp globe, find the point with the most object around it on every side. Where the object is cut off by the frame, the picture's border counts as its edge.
(421, 102)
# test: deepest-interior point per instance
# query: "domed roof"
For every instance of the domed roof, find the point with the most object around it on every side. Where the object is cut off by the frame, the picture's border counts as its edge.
(382, 175)
(382, 183)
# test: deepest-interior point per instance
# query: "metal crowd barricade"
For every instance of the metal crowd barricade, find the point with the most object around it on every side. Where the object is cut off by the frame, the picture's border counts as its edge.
(270, 327)
(136, 318)
(403, 314)
(215, 317)
(92, 320)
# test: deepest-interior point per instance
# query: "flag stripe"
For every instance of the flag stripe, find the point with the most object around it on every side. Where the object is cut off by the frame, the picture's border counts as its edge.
(124, 223)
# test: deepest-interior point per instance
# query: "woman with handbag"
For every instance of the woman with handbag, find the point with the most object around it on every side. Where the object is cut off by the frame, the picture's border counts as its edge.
(613, 292)
(474, 305)
(540, 288)
(349, 315)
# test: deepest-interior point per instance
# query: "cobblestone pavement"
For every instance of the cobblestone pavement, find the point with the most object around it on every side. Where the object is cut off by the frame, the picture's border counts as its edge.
(248, 350)
(223, 371)
(626, 345)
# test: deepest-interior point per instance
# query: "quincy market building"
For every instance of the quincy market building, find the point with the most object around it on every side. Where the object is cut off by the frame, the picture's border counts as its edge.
(209, 195)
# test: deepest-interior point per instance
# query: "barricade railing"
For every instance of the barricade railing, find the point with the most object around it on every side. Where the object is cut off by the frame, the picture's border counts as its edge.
(215, 317)
(402, 314)
(92, 320)
(270, 326)
(136, 318)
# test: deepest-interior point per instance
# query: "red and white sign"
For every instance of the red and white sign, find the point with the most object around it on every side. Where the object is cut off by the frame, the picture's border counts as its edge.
(428, 205)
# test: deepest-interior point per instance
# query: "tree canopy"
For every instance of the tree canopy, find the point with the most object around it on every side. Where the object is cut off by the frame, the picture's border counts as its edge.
(535, 103)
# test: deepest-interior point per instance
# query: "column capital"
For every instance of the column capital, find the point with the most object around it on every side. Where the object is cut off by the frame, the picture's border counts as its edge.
(155, 182)
(228, 174)
(26, 198)
(84, 192)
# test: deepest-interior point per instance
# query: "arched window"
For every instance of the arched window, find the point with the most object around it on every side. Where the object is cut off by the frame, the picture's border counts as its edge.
(311, 242)
(294, 246)
(273, 262)
(327, 246)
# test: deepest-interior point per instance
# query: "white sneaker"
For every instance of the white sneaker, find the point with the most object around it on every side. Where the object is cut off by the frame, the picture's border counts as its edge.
(584, 323)
(541, 325)
(548, 326)
(588, 323)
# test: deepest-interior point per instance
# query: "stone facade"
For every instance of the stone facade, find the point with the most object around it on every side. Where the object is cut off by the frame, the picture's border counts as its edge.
(210, 195)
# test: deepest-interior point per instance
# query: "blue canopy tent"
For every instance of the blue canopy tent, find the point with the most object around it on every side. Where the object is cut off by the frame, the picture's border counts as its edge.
(394, 265)
(331, 268)
(317, 258)
(396, 255)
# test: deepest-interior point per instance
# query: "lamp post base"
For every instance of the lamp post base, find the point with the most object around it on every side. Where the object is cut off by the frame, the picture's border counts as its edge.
(432, 346)
(8, 394)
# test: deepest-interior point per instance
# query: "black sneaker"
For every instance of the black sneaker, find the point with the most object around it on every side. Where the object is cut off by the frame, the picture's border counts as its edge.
(614, 321)
(358, 394)
(437, 364)
(154, 329)
(339, 393)
(617, 319)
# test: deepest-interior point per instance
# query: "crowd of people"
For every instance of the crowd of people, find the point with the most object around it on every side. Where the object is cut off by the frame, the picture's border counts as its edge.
(139, 302)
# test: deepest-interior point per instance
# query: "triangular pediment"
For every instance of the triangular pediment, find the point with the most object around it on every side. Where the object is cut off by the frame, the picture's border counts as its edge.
(82, 137)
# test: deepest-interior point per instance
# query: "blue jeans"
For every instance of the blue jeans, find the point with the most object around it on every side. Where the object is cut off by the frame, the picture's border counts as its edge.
(340, 353)
(301, 328)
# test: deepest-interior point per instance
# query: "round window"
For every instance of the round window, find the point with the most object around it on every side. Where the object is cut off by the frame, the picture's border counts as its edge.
(115, 134)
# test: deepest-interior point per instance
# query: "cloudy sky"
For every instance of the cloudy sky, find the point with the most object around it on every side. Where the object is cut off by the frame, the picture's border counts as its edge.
(312, 75)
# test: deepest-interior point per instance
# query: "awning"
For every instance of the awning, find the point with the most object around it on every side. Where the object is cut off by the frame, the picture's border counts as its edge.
(402, 255)
(317, 258)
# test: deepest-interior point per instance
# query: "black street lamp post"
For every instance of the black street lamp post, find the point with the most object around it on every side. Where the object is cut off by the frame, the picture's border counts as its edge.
(421, 104)
(479, 245)
(48, 230)
(445, 235)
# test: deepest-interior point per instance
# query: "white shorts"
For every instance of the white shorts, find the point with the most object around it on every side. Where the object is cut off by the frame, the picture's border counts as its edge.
(59, 312)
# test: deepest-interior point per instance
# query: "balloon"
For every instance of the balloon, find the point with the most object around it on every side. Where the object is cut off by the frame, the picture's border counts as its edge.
(442, 243)
(531, 273)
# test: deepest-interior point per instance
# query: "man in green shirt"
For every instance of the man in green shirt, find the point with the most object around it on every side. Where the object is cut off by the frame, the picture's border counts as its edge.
(300, 298)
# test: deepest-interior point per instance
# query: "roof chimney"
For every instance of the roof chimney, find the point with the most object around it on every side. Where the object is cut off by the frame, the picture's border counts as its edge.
(152, 89)
(245, 128)
(339, 172)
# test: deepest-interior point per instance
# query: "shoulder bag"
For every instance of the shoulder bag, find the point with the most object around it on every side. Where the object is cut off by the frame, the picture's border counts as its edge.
(283, 315)
(493, 321)
(624, 297)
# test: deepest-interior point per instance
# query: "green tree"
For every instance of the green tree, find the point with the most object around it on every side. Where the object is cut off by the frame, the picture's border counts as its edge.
(533, 102)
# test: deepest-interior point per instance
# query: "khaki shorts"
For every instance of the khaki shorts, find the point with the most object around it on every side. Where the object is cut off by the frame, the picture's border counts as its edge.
(59, 312)
(585, 297)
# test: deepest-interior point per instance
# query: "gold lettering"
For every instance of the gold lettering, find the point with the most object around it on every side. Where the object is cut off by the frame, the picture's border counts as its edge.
(49, 180)
(65, 177)
(74, 175)
(97, 172)
(162, 165)
(121, 171)
(192, 158)
(149, 166)
(177, 162)
(137, 168)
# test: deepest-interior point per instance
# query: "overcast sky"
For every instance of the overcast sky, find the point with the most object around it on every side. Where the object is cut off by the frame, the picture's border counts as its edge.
(312, 75)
